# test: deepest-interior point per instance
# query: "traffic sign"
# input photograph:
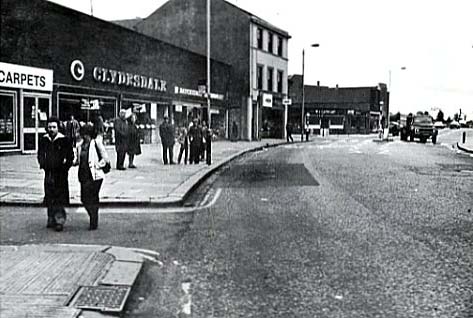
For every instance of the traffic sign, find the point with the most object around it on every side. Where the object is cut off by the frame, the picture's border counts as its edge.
(287, 101)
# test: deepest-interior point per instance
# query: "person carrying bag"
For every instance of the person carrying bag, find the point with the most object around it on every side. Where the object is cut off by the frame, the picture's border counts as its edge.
(93, 162)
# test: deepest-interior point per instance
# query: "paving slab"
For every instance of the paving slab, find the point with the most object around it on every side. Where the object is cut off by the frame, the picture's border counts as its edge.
(43, 280)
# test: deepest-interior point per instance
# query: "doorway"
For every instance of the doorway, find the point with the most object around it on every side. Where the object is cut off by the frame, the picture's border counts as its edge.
(35, 113)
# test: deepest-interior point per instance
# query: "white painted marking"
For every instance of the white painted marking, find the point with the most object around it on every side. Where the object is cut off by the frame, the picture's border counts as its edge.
(264, 199)
(186, 300)
(218, 192)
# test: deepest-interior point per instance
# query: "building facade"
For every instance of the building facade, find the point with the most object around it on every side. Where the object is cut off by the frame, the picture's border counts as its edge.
(343, 110)
(256, 50)
(55, 61)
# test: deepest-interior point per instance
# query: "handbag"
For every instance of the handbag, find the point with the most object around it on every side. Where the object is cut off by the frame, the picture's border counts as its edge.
(106, 169)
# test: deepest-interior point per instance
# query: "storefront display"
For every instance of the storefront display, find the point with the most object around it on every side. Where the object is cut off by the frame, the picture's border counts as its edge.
(7, 118)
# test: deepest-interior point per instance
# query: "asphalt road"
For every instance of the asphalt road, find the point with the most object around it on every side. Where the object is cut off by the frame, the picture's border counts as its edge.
(340, 228)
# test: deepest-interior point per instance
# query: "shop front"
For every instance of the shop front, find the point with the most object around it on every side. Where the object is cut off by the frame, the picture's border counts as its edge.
(272, 116)
(25, 105)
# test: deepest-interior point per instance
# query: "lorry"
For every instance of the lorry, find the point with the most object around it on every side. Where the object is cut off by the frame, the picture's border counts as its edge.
(419, 126)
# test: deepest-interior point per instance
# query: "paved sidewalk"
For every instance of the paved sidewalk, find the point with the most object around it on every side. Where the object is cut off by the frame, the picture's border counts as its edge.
(151, 183)
(67, 281)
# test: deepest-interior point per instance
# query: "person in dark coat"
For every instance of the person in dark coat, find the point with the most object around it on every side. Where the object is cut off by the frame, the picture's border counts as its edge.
(234, 131)
(289, 132)
(55, 157)
(72, 130)
(134, 145)
(166, 132)
(203, 146)
(195, 139)
(121, 139)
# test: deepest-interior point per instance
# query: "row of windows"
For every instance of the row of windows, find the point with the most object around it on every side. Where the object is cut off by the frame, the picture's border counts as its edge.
(270, 43)
(269, 78)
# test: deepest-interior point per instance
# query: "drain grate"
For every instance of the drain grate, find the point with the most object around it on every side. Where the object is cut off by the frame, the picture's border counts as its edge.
(103, 298)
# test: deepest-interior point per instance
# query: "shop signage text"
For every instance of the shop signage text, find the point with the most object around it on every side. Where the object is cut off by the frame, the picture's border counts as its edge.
(105, 75)
(19, 76)
(267, 100)
(197, 93)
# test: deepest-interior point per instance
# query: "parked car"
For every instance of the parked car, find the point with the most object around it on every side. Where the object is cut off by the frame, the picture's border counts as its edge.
(454, 125)
(439, 125)
(394, 128)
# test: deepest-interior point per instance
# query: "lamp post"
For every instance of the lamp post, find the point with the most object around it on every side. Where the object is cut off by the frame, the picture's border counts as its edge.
(386, 132)
(303, 93)
(209, 119)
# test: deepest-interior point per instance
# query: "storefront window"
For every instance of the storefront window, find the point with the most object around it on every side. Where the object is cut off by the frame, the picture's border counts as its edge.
(7, 118)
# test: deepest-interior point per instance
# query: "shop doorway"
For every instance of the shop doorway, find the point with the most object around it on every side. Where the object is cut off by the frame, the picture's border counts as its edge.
(35, 113)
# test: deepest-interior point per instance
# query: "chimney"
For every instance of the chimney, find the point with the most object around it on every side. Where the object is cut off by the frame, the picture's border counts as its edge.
(318, 83)
(336, 86)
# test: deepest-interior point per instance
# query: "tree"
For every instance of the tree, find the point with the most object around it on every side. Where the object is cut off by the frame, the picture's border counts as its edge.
(449, 120)
(440, 116)
(456, 117)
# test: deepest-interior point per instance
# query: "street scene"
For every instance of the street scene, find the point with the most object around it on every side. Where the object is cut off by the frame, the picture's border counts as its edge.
(183, 159)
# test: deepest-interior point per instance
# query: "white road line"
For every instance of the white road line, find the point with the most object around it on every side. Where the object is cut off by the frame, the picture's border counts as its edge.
(215, 197)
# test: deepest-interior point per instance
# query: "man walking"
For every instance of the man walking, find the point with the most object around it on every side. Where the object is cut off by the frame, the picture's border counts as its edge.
(121, 138)
(195, 139)
(55, 157)
(166, 132)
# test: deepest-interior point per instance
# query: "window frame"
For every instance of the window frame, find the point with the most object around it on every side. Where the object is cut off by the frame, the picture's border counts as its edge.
(279, 80)
(270, 79)
(259, 76)
(259, 38)
(270, 42)
(13, 95)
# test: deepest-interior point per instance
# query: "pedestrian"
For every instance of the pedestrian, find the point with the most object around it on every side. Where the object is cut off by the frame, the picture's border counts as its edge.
(55, 156)
(72, 130)
(234, 131)
(93, 161)
(203, 145)
(208, 146)
(134, 144)
(166, 132)
(121, 138)
(195, 139)
(289, 132)
(183, 140)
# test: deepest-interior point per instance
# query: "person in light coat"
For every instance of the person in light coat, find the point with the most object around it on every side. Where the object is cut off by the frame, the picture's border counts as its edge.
(91, 159)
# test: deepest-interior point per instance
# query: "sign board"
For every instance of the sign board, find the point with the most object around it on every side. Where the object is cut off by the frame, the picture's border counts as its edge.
(287, 101)
(179, 108)
(267, 100)
(19, 76)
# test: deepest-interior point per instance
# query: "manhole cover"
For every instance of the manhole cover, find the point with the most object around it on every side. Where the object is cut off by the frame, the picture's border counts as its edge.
(103, 298)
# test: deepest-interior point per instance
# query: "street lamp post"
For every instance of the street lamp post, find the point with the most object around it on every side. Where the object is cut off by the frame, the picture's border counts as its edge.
(303, 93)
(209, 117)
(386, 132)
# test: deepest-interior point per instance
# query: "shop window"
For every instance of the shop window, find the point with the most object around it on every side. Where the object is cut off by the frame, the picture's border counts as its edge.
(270, 79)
(280, 46)
(259, 77)
(7, 118)
(270, 42)
(280, 80)
(259, 37)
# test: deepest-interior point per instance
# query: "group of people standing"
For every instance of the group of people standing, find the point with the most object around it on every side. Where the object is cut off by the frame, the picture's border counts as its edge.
(195, 142)
(56, 155)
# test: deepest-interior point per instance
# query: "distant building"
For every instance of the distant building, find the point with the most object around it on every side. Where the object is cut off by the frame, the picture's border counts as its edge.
(347, 110)
(256, 50)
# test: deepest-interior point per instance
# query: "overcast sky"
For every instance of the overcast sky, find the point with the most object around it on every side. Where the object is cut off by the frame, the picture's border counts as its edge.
(361, 41)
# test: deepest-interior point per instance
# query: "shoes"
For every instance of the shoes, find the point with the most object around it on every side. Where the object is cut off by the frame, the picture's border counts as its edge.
(51, 223)
(173, 163)
(132, 166)
(121, 168)
(93, 227)
(58, 227)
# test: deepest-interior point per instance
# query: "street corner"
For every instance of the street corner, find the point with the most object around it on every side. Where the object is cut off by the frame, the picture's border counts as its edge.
(88, 280)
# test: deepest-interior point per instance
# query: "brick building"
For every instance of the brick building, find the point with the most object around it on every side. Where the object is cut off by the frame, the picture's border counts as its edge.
(57, 61)
(346, 109)
(256, 50)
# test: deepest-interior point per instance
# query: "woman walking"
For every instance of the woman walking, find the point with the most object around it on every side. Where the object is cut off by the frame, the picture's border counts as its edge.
(134, 145)
(92, 158)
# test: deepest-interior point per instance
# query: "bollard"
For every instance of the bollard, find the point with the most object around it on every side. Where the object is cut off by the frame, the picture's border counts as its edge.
(464, 137)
